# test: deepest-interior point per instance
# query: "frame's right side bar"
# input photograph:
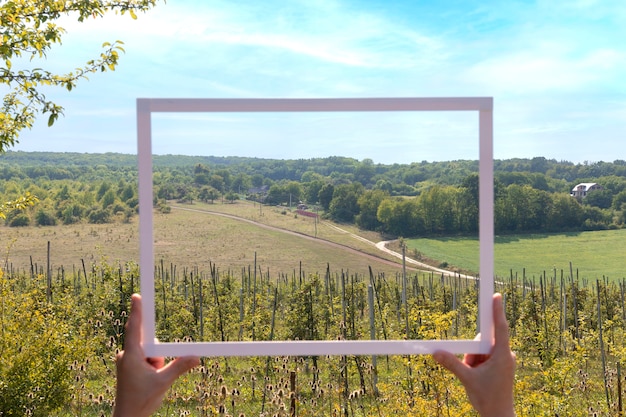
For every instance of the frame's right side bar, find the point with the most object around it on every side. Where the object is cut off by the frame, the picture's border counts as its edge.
(486, 227)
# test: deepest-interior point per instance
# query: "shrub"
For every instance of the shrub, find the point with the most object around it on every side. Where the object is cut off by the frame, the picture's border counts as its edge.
(99, 216)
(44, 218)
(19, 221)
(35, 374)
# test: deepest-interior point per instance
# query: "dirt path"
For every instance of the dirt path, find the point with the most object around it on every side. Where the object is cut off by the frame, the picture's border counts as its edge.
(304, 236)
(382, 245)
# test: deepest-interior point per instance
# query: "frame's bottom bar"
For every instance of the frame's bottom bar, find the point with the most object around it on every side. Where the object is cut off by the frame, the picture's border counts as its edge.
(315, 347)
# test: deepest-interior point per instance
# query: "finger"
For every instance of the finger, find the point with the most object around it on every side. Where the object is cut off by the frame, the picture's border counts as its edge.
(156, 363)
(500, 325)
(177, 367)
(133, 333)
(474, 360)
(452, 364)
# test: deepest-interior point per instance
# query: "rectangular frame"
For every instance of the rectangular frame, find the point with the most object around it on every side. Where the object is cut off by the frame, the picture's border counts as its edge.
(154, 348)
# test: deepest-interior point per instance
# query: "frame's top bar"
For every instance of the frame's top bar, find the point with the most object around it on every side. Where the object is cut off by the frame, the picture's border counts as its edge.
(188, 105)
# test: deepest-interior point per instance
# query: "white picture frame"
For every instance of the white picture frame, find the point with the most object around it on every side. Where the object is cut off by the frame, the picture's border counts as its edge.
(484, 108)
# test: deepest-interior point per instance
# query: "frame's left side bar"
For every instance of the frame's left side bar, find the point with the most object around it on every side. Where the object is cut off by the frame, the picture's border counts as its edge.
(146, 255)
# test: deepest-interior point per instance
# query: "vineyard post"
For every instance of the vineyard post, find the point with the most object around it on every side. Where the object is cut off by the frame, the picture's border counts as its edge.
(267, 360)
(370, 299)
(240, 313)
(454, 308)
(513, 288)
(254, 301)
(609, 307)
(544, 294)
(248, 278)
(163, 279)
(563, 313)
(430, 285)
(292, 388)
(380, 310)
(76, 282)
(193, 297)
(132, 283)
(48, 276)
(403, 273)
(200, 307)
(329, 291)
(619, 390)
(602, 353)
(327, 279)
(119, 274)
(344, 358)
(217, 302)
(575, 294)
(621, 287)
(353, 335)
(85, 273)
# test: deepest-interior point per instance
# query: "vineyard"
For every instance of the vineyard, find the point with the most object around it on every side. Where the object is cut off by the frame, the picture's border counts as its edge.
(61, 331)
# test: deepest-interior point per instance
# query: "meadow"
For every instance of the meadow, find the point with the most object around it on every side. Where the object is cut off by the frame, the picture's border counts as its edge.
(567, 330)
(194, 236)
(594, 254)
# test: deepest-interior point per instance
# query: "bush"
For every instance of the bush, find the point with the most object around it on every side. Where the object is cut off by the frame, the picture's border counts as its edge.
(35, 375)
(44, 218)
(99, 216)
(118, 208)
(70, 213)
(164, 208)
(19, 221)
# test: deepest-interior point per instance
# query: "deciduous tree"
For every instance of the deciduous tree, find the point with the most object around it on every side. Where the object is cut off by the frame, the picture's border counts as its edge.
(30, 30)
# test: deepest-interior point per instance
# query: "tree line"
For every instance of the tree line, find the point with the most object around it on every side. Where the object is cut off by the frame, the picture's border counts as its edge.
(422, 198)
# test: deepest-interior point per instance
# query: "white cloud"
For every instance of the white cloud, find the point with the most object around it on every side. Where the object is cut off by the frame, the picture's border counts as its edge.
(554, 67)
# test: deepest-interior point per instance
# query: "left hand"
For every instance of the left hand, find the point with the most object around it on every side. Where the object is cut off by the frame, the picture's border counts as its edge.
(142, 382)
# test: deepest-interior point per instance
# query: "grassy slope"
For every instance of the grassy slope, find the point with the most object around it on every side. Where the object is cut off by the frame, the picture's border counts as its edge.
(594, 254)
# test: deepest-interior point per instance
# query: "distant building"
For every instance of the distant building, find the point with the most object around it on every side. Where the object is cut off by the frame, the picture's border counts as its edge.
(581, 190)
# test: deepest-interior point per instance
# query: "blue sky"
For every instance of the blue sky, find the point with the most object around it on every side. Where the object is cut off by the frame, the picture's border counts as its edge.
(555, 68)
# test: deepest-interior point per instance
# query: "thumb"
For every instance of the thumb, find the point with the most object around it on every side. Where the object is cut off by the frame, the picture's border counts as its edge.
(177, 367)
(452, 364)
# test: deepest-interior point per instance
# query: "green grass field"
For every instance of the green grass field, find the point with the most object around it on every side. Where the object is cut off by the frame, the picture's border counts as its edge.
(593, 254)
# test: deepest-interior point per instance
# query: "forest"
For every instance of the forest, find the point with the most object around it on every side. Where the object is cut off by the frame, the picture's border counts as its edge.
(417, 199)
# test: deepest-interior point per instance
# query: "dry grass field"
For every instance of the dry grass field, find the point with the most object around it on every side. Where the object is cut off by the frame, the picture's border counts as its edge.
(195, 235)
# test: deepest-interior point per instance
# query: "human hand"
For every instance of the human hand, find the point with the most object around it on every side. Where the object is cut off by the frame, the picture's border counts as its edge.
(142, 382)
(488, 379)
